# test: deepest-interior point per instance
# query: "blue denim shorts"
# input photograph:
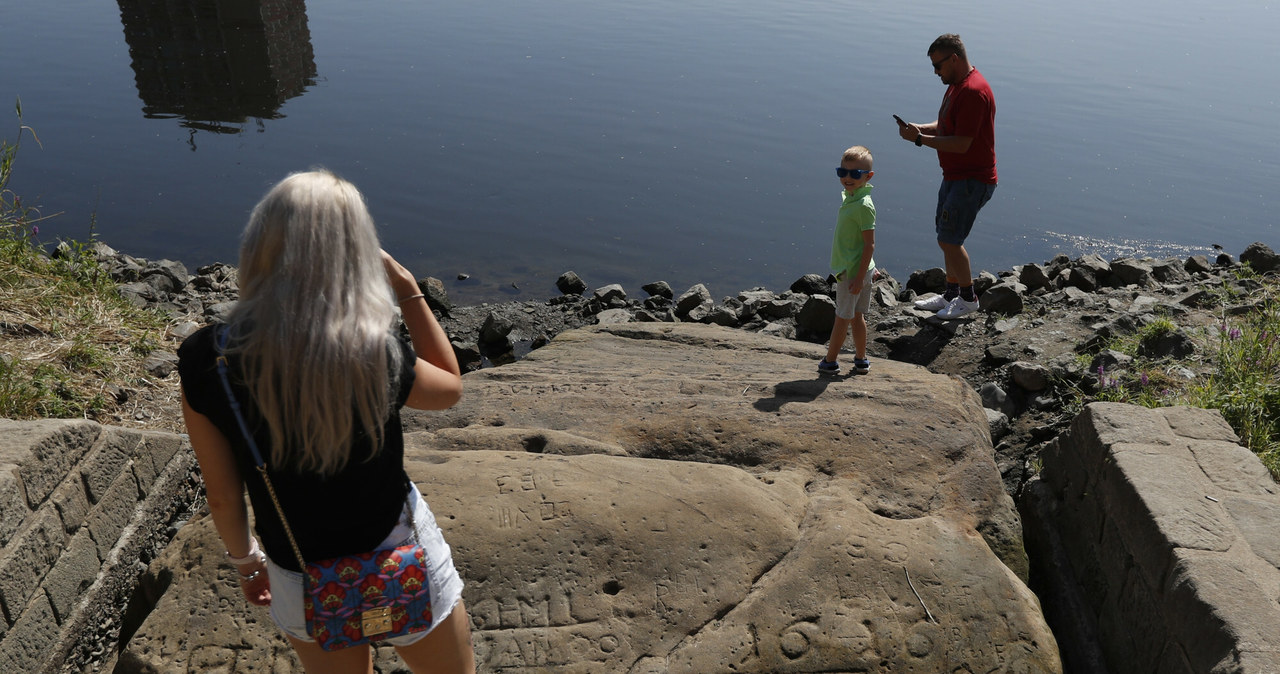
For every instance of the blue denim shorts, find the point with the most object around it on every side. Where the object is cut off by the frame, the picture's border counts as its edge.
(446, 584)
(958, 204)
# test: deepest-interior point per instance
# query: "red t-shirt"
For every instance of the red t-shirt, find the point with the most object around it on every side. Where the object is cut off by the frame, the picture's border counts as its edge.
(969, 109)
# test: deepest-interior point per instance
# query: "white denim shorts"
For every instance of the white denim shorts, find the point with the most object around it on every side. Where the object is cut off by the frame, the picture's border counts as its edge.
(446, 584)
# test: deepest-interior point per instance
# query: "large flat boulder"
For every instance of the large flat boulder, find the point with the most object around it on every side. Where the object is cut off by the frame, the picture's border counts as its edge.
(682, 498)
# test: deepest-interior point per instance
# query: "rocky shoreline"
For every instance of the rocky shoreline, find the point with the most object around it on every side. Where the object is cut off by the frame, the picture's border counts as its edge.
(1033, 350)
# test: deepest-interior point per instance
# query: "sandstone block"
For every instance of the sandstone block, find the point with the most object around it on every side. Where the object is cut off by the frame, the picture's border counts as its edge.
(73, 573)
(107, 460)
(27, 558)
(45, 452)
(72, 504)
(112, 512)
(26, 645)
(13, 501)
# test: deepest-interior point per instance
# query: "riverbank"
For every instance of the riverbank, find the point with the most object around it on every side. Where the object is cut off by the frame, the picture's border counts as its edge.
(1051, 337)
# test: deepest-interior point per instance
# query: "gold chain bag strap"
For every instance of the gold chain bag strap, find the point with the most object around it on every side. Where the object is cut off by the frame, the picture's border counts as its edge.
(353, 599)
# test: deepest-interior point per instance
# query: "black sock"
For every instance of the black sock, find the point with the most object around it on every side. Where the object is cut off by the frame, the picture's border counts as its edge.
(968, 294)
(953, 289)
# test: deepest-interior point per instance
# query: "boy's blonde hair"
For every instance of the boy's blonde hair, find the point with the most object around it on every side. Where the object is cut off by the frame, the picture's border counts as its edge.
(857, 153)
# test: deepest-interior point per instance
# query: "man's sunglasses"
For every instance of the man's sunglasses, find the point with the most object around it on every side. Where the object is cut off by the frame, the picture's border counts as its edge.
(856, 174)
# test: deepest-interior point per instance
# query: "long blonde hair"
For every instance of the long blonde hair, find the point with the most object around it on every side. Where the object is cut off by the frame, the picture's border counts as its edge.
(313, 321)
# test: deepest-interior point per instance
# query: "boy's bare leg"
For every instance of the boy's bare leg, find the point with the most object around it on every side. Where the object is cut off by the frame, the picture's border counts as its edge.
(859, 336)
(838, 332)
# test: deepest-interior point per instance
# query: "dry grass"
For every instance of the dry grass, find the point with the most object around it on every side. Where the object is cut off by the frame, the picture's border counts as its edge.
(71, 347)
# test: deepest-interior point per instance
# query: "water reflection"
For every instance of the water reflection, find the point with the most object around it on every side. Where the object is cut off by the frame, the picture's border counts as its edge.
(216, 64)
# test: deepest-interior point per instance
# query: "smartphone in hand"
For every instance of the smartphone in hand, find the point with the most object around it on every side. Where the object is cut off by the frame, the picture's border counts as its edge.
(899, 121)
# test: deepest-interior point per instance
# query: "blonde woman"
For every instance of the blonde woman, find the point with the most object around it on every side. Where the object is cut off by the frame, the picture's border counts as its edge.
(320, 376)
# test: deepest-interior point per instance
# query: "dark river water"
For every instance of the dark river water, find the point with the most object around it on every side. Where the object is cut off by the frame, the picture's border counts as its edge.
(688, 141)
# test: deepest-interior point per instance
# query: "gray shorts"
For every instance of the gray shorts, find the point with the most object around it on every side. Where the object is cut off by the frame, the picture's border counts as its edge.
(446, 584)
(847, 304)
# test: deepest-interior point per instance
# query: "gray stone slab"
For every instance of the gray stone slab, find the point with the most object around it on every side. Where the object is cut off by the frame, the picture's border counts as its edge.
(110, 515)
(27, 645)
(72, 504)
(74, 572)
(1233, 468)
(1257, 521)
(1217, 607)
(45, 451)
(1156, 501)
(109, 458)
(1117, 423)
(13, 502)
(155, 453)
(27, 558)
(1194, 423)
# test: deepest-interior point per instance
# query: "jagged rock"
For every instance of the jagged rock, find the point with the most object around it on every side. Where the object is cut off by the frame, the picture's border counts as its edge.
(722, 316)
(1029, 376)
(1110, 359)
(932, 280)
(138, 294)
(997, 423)
(495, 329)
(1261, 258)
(612, 296)
(1034, 277)
(1197, 264)
(436, 295)
(658, 289)
(160, 363)
(1081, 278)
(218, 312)
(811, 284)
(1128, 271)
(816, 318)
(1099, 270)
(884, 296)
(1004, 298)
(469, 357)
(175, 273)
(995, 398)
(570, 283)
(1173, 344)
(1170, 271)
(697, 297)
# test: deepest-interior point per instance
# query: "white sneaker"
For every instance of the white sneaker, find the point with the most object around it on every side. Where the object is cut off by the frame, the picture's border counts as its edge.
(957, 308)
(935, 303)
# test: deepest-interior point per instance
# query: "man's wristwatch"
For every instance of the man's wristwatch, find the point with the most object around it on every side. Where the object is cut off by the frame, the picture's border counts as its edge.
(919, 140)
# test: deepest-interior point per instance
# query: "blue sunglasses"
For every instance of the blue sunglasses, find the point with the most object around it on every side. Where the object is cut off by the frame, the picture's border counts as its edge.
(856, 174)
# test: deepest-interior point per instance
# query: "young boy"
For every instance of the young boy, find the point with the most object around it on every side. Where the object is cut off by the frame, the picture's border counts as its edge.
(851, 262)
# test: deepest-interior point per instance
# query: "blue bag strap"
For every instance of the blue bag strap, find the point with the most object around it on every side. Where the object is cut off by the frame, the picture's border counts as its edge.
(221, 361)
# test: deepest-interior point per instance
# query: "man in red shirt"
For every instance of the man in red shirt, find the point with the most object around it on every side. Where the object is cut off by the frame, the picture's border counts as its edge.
(964, 136)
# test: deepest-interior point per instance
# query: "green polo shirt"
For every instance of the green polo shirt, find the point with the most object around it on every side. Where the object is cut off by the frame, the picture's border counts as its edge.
(857, 214)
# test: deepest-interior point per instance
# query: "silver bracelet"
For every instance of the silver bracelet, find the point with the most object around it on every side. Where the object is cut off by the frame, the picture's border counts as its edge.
(245, 578)
(411, 297)
(253, 556)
